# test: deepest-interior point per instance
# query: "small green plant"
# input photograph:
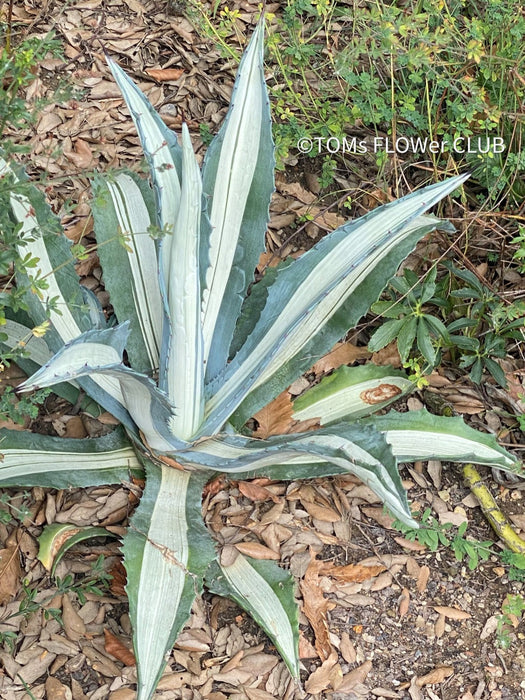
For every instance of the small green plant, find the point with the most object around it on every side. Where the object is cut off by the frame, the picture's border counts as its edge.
(10, 511)
(17, 71)
(205, 356)
(516, 563)
(476, 329)
(513, 607)
(410, 321)
(96, 582)
(433, 534)
(486, 325)
(19, 409)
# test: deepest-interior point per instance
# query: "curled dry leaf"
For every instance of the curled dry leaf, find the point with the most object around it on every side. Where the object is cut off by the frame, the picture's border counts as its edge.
(326, 515)
(347, 649)
(411, 546)
(80, 155)
(73, 623)
(114, 646)
(452, 613)
(118, 581)
(9, 572)
(56, 690)
(315, 607)
(437, 675)
(380, 516)
(490, 626)
(164, 74)
(439, 627)
(306, 650)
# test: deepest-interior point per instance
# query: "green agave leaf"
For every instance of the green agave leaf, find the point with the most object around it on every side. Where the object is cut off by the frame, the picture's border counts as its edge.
(346, 316)
(161, 149)
(238, 179)
(185, 371)
(420, 435)
(28, 459)
(351, 393)
(266, 592)
(353, 448)
(310, 291)
(166, 551)
(253, 305)
(98, 353)
(57, 538)
(121, 208)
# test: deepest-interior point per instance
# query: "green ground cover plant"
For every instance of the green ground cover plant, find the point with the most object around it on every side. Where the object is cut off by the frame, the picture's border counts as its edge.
(457, 314)
(426, 69)
(206, 348)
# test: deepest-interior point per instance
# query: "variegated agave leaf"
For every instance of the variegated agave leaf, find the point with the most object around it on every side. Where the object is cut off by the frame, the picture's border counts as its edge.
(308, 292)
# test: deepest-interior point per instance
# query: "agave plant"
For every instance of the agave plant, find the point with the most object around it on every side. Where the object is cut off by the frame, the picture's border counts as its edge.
(206, 348)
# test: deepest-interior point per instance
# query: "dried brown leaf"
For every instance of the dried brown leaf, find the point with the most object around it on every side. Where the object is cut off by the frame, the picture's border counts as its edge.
(324, 676)
(351, 572)
(388, 355)
(342, 354)
(256, 493)
(56, 690)
(73, 623)
(404, 602)
(411, 546)
(48, 122)
(306, 650)
(118, 581)
(164, 74)
(439, 627)
(294, 189)
(326, 515)
(315, 607)
(437, 675)
(379, 515)
(81, 155)
(357, 675)
(275, 418)
(412, 567)
(10, 572)
(452, 613)
(256, 550)
(347, 649)
(114, 646)
(422, 579)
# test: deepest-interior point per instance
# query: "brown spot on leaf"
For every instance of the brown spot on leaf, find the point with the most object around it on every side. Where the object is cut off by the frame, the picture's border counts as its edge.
(381, 393)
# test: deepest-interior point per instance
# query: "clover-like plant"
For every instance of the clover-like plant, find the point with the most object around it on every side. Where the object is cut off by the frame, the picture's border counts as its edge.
(206, 348)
